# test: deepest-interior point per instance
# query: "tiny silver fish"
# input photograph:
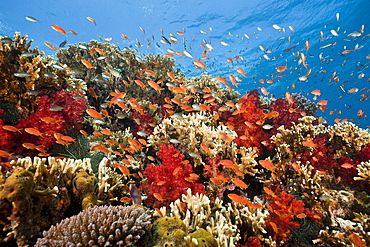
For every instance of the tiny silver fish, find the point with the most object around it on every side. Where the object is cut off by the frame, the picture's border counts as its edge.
(31, 19)
(56, 108)
(22, 74)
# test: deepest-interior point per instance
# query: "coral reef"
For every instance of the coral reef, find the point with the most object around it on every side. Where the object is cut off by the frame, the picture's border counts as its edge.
(99, 226)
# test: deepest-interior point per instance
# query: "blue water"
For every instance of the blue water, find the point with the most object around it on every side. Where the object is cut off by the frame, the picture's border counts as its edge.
(226, 21)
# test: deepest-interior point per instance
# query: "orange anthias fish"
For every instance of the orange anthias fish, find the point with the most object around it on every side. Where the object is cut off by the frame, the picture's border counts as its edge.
(91, 19)
(11, 128)
(155, 85)
(199, 64)
(5, 154)
(238, 199)
(59, 29)
(33, 131)
(50, 46)
(87, 64)
(240, 71)
(93, 113)
(239, 183)
(281, 69)
(316, 92)
(267, 164)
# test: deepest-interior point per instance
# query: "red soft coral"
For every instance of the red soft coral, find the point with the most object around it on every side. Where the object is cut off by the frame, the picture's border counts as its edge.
(168, 181)
(283, 211)
(6, 137)
(247, 121)
(69, 118)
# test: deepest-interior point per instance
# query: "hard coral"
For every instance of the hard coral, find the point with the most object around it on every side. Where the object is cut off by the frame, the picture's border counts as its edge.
(99, 226)
(39, 192)
(22, 88)
(168, 181)
(167, 232)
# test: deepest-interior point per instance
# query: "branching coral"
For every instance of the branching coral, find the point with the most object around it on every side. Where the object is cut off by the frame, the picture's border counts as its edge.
(24, 72)
(197, 211)
(189, 133)
(99, 226)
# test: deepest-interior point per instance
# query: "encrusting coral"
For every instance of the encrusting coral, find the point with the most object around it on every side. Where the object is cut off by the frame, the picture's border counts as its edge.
(99, 226)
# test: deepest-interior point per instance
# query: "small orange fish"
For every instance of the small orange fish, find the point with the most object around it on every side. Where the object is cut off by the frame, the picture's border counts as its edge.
(316, 92)
(238, 199)
(322, 102)
(264, 91)
(281, 69)
(309, 143)
(11, 128)
(347, 166)
(155, 85)
(91, 19)
(158, 196)
(193, 177)
(289, 98)
(199, 64)
(67, 138)
(240, 71)
(125, 199)
(100, 148)
(83, 132)
(267, 164)
(225, 137)
(5, 154)
(239, 183)
(93, 113)
(106, 132)
(29, 145)
(73, 32)
(87, 64)
(356, 240)
(50, 46)
(93, 93)
(50, 120)
(301, 215)
(33, 131)
(59, 29)
(139, 83)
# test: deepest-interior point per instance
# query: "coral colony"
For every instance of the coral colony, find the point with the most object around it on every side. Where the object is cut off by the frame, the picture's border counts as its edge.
(105, 147)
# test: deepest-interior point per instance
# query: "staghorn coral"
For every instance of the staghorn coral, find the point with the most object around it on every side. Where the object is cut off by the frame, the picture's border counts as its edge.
(99, 226)
(189, 132)
(363, 171)
(197, 211)
(39, 192)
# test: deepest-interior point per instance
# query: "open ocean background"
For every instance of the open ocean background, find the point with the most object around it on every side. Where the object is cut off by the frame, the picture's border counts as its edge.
(232, 22)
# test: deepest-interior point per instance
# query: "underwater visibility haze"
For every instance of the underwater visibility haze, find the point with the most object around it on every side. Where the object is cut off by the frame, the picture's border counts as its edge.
(191, 123)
